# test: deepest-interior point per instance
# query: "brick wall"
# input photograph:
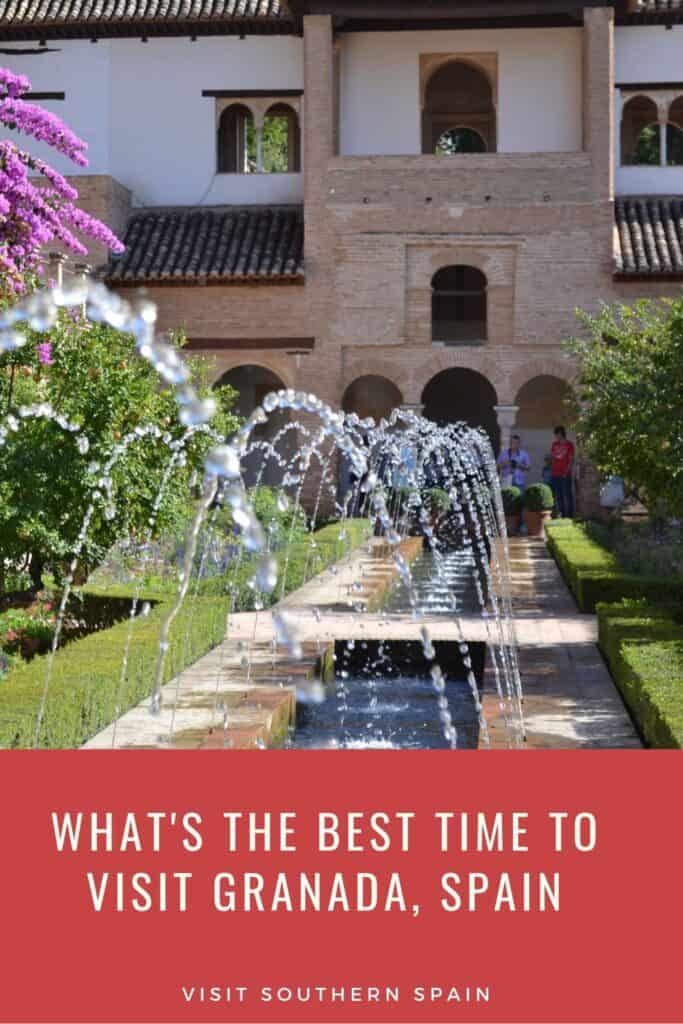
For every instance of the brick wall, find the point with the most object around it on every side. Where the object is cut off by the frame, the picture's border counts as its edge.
(540, 226)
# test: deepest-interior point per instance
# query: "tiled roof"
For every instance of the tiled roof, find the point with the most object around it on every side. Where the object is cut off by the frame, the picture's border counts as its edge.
(115, 16)
(649, 235)
(656, 6)
(228, 244)
(643, 12)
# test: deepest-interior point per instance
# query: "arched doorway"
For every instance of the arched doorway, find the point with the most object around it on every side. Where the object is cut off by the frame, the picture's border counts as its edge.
(463, 395)
(459, 115)
(252, 384)
(544, 402)
(372, 395)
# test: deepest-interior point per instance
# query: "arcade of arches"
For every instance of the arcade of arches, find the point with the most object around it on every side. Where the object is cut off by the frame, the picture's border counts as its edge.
(453, 395)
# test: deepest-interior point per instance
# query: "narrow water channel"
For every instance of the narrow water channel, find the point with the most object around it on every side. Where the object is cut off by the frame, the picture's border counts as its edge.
(382, 695)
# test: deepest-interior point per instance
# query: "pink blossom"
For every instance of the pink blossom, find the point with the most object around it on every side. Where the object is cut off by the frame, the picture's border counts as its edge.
(44, 350)
(36, 211)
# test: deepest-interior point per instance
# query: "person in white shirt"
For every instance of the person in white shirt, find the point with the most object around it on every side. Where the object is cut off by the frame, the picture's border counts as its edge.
(514, 464)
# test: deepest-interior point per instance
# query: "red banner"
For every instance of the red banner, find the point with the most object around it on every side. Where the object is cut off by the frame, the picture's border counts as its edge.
(539, 886)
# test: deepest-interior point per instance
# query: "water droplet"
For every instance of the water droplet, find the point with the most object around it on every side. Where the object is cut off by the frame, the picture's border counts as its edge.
(223, 461)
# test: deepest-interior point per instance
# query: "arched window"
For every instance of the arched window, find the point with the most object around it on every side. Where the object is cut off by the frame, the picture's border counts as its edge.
(280, 145)
(458, 107)
(460, 140)
(459, 306)
(267, 143)
(674, 133)
(647, 150)
(237, 149)
(640, 132)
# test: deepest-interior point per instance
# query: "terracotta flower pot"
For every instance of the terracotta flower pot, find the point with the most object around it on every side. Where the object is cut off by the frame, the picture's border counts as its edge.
(535, 522)
(512, 523)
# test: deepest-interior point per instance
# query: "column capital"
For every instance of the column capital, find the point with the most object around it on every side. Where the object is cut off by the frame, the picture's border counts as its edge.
(507, 415)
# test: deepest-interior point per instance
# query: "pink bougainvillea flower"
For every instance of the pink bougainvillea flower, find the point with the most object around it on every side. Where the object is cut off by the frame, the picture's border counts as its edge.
(37, 203)
(44, 350)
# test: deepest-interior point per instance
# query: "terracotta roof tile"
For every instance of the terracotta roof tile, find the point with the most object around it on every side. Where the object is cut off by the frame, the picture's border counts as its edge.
(649, 235)
(656, 6)
(103, 14)
(228, 244)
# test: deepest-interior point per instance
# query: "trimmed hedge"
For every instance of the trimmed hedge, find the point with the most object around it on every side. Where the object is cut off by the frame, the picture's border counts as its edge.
(643, 646)
(308, 556)
(594, 574)
(85, 688)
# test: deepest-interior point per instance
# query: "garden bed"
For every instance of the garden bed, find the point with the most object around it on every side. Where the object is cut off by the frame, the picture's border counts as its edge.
(88, 687)
(595, 574)
(643, 646)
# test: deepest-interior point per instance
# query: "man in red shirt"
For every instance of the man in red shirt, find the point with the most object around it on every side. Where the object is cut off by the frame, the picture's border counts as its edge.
(562, 453)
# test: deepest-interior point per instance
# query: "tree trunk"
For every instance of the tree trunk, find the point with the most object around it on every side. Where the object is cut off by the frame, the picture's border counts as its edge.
(36, 572)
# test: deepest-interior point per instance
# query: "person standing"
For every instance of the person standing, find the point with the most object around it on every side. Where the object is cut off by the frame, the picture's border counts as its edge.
(514, 464)
(562, 453)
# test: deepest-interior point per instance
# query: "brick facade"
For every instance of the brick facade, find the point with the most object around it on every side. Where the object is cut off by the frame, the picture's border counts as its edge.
(539, 226)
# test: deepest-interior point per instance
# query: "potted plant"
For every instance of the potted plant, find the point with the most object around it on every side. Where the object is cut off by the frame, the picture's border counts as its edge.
(538, 507)
(512, 507)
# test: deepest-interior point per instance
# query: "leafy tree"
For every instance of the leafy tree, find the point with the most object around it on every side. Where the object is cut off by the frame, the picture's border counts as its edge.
(274, 144)
(630, 416)
(91, 375)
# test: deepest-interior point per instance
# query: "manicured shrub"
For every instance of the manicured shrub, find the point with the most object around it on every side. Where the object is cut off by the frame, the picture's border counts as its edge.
(538, 498)
(643, 646)
(594, 574)
(86, 686)
(512, 501)
(86, 690)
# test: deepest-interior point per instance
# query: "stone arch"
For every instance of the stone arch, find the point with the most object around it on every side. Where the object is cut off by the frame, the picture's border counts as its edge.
(460, 139)
(287, 158)
(460, 393)
(253, 382)
(639, 114)
(236, 141)
(375, 365)
(676, 112)
(542, 404)
(513, 383)
(496, 266)
(226, 362)
(458, 92)
(372, 395)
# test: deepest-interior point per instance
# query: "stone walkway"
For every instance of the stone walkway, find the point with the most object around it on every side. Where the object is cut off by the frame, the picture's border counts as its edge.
(570, 699)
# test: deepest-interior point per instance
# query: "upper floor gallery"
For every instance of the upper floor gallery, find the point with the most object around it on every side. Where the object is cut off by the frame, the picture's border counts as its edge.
(189, 116)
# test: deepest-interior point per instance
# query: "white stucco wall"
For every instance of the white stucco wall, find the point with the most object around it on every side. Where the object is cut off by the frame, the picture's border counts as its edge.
(81, 70)
(648, 53)
(539, 88)
(140, 106)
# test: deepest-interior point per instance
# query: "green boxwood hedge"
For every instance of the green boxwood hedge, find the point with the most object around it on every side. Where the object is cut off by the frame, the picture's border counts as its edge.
(594, 574)
(85, 687)
(643, 646)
